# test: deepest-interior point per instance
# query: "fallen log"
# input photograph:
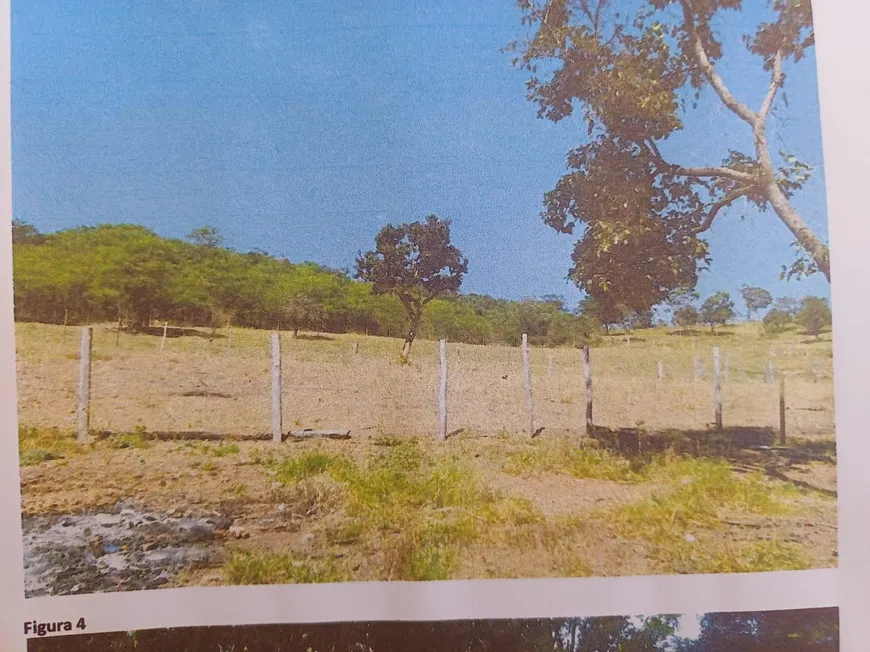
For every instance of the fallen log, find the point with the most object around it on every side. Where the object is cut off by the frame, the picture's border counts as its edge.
(308, 433)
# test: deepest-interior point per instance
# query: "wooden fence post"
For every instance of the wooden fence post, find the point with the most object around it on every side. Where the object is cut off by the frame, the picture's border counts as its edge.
(527, 376)
(83, 408)
(727, 370)
(696, 364)
(782, 409)
(717, 388)
(163, 339)
(277, 429)
(229, 335)
(65, 319)
(661, 370)
(771, 376)
(442, 393)
(356, 347)
(587, 372)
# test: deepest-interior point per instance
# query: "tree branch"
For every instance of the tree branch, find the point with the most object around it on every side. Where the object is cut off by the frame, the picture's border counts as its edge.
(714, 171)
(737, 107)
(714, 209)
(775, 82)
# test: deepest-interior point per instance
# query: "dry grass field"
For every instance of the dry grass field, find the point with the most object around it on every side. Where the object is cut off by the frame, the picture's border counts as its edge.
(124, 512)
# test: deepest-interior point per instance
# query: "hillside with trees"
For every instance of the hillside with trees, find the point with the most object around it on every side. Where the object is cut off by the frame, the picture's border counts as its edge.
(130, 274)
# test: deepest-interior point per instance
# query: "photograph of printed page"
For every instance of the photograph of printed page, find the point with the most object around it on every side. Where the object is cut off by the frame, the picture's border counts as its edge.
(322, 292)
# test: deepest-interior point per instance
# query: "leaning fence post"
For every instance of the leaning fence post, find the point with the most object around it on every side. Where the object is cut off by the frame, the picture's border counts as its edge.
(83, 409)
(229, 335)
(782, 409)
(277, 430)
(770, 372)
(527, 376)
(717, 388)
(442, 393)
(661, 370)
(587, 372)
(163, 339)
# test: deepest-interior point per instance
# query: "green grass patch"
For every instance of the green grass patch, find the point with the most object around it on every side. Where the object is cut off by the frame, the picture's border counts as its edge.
(38, 445)
(420, 508)
(222, 450)
(307, 465)
(279, 568)
(128, 440)
(679, 520)
(576, 461)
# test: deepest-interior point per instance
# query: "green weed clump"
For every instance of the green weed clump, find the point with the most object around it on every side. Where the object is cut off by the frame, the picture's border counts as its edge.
(38, 445)
(246, 567)
(678, 520)
(576, 461)
(417, 508)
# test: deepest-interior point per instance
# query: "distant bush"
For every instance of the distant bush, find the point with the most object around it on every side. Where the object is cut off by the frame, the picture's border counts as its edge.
(776, 321)
(814, 315)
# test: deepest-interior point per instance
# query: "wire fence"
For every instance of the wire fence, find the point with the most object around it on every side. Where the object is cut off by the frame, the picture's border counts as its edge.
(190, 382)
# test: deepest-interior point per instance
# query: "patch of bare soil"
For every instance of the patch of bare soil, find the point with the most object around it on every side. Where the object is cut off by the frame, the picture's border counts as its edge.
(562, 495)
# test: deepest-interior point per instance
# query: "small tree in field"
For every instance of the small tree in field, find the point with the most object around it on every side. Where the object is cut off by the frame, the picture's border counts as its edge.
(814, 315)
(686, 316)
(776, 321)
(756, 299)
(717, 310)
(416, 263)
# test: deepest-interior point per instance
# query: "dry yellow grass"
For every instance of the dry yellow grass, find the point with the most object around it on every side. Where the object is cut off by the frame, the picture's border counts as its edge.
(195, 384)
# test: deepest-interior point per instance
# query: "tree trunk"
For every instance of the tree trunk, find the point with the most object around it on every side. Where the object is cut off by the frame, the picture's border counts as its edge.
(409, 338)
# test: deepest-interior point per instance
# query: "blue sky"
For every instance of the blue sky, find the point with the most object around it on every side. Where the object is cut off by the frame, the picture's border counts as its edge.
(302, 127)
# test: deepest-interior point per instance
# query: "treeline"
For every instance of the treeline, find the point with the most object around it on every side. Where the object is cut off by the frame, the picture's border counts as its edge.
(130, 274)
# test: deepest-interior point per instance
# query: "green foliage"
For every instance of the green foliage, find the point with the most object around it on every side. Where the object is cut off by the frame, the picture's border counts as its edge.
(98, 273)
(776, 321)
(416, 263)
(37, 445)
(630, 76)
(686, 316)
(814, 315)
(699, 494)
(717, 310)
(574, 460)
(756, 299)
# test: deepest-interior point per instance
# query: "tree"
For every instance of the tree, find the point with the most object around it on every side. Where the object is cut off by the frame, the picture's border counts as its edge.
(717, 310)
(814, 315)
(416, 263)
(788, 305)
(631, 72)
(206, 236)
(776, 321)
(756, 299)
(686, 316)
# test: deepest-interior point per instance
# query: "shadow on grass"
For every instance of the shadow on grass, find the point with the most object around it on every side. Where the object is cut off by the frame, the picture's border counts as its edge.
(748, 448)
(177, 331)
(313, 337)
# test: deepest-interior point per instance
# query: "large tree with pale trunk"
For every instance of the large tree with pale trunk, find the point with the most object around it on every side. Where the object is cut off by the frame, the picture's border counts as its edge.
(633, 72)
(415, 262)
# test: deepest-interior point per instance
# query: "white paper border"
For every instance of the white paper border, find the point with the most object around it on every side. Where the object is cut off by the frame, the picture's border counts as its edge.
(843, 53)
